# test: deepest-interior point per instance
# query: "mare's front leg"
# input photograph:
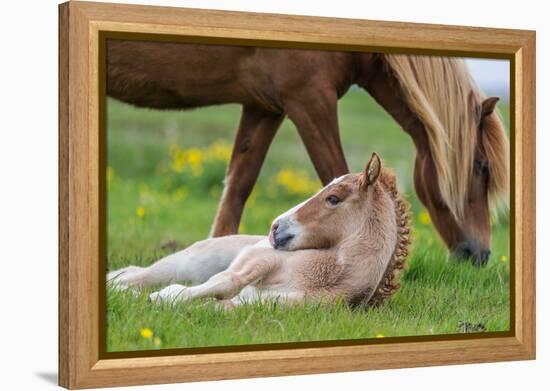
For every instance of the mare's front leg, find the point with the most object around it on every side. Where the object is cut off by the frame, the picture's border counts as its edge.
(254, 135)
(251, 265)
(315, 114)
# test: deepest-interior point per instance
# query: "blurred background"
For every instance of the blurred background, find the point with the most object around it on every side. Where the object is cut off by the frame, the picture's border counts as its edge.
(493, 76)
(165, 178)
(165, 169)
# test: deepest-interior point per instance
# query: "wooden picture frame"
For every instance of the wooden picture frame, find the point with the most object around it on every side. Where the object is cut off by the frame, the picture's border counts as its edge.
(82, 363)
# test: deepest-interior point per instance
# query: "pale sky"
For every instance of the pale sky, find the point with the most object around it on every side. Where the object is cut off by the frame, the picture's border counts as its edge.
(492, 76)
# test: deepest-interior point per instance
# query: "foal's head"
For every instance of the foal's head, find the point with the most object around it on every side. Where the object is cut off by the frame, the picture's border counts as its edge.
(335, 213)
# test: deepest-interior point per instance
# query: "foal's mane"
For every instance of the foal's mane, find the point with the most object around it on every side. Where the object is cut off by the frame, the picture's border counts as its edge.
(437, 90)
(389, 284)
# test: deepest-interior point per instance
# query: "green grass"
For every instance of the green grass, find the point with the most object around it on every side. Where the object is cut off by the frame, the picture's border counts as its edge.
(436, 293)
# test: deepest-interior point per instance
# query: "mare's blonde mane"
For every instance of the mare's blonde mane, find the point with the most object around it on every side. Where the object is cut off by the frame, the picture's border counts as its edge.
(439, 90)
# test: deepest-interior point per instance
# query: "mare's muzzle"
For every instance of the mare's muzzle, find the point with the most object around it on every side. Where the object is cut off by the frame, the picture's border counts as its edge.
(472, 251)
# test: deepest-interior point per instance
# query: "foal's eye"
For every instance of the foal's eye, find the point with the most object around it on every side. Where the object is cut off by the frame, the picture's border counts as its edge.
(333, 200)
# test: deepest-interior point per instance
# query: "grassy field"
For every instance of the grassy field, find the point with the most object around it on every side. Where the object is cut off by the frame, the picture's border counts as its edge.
(165, 172)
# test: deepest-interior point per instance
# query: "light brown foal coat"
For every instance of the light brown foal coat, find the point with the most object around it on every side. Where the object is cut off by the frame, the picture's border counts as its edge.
(352, 248)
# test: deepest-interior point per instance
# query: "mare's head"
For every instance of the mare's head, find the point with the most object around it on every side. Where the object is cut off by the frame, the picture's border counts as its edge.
(336, 212)
(461, 212)
(461, 168)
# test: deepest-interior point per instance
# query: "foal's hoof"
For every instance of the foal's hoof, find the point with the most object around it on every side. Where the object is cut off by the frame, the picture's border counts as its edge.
(170, 294)
(154, 297)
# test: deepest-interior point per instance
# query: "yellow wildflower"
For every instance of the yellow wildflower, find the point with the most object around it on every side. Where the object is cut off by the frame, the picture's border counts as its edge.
(220, 150)
(424, 217)
(157, 341)
(140, 212)
(296, 182)
(194, 158)
(379, 335)
(504, 258)
(146, 333)
(177, 155)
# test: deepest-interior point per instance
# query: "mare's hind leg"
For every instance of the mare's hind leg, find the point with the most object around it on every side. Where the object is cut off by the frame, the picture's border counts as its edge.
(315, 115)
(256, 131)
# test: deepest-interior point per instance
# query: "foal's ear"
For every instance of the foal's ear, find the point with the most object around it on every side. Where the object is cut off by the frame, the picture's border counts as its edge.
(488, 105)
(372, 171)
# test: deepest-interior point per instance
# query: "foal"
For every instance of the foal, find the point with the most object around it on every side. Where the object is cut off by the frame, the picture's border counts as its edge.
(350, 240)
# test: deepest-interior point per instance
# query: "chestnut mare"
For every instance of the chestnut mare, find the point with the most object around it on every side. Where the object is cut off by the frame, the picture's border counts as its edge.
(461, 166)
(349, 241)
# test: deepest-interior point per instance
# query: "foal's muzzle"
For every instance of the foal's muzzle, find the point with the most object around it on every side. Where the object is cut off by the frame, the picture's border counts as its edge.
(279, 237)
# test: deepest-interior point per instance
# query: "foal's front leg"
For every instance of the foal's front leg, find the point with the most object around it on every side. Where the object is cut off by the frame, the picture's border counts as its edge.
(250, 266)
